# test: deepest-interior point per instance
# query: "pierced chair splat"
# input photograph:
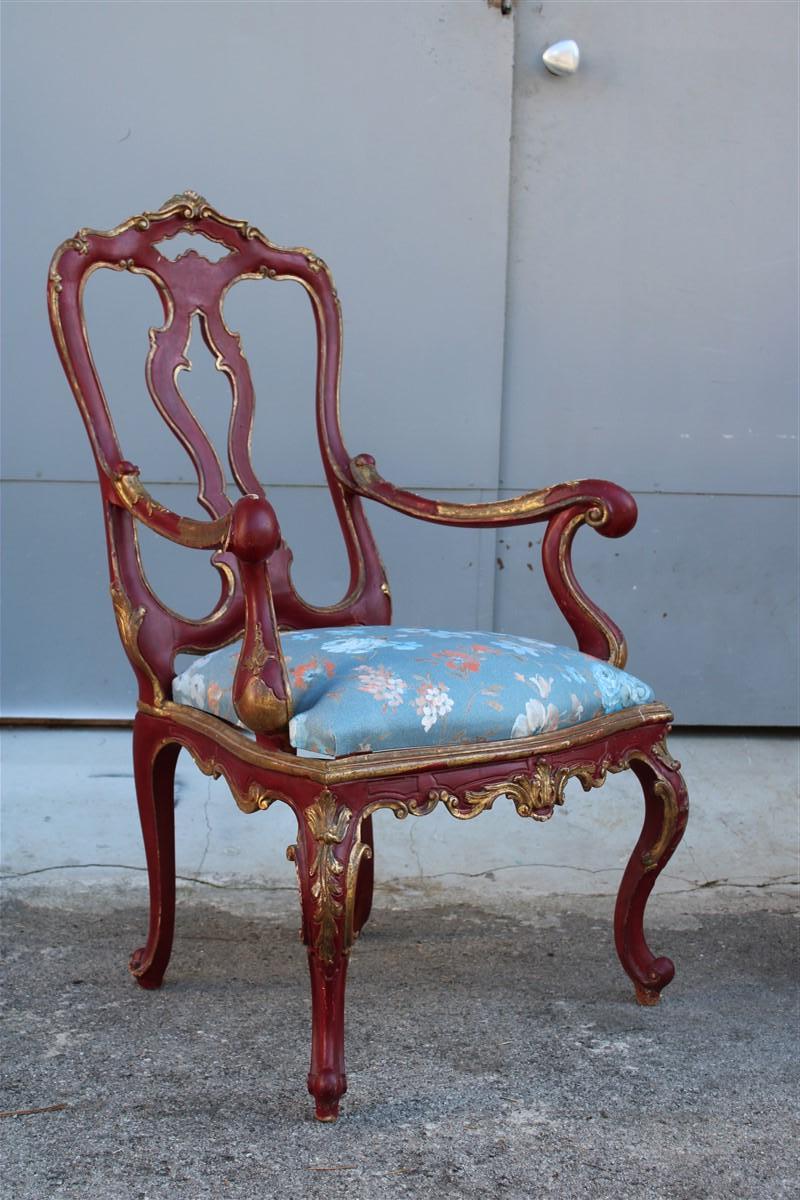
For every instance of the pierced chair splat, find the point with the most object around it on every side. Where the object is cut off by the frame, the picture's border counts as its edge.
(335, 711)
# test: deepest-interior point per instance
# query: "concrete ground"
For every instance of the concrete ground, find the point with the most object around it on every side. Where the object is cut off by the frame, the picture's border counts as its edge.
(494, 1049)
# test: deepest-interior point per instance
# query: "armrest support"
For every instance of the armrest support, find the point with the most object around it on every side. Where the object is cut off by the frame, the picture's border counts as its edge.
(250, 531)
(261, 693)
(604, 506)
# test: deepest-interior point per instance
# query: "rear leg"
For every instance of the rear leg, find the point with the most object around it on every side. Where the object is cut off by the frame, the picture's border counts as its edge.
(666, 813)
(366, 877)
(154, 773)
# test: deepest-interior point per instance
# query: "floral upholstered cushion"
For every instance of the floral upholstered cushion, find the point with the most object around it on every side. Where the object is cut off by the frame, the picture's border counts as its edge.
(386, 687)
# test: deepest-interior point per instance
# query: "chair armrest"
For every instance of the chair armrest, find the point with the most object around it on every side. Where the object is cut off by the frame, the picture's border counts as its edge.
(125, 489)
(609, 508)
(604, 506)
(250, 531)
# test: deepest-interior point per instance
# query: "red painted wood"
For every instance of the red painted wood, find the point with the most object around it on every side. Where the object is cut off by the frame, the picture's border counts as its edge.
(257, 597)
(366, 878)
(327, 1079)
(650, 974)
(154, 772)
(188, 286)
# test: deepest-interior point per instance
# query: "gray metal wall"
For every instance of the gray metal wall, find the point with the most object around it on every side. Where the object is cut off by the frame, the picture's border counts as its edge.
(629, 314)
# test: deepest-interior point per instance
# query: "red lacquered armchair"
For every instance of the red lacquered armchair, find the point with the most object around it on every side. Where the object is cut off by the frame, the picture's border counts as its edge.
(335, 711)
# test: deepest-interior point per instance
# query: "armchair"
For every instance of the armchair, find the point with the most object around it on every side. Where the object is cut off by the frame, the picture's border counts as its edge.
(335, 711)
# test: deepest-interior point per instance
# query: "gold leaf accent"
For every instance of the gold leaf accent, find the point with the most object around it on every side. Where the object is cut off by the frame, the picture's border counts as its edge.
(132, 491)
(533, 796)
(193, 204)
(666, 794)
(79, 242)
(129, 622)
(254, 799)
(536, 796)
(260, 709)
(360, 850)
(328, 824)
(379, 765)
(662, 753)
(259, 655)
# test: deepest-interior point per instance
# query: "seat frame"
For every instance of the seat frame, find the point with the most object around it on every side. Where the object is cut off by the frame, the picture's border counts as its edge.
(333, 800)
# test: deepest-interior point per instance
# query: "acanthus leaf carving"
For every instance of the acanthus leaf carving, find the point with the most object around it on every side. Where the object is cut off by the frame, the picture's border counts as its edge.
(328, 823)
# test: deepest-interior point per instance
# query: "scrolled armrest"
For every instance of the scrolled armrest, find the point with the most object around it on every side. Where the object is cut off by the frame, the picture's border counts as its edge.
(608, 508)
(126, 490)
(604, 506)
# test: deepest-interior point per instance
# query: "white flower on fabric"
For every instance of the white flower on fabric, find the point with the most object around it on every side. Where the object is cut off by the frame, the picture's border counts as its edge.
(518, 647)
(305, 637)
(435, 633)
(535, 719)
(353, 645)
(542, 685)
(194, 686)
(432, 702)
(576, 708)
(365, 645)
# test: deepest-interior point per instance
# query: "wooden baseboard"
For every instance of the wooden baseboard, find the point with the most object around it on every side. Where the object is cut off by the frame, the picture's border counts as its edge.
(66, 722)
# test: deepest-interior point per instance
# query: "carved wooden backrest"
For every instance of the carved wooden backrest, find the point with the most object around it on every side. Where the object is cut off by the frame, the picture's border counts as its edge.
(192, 286)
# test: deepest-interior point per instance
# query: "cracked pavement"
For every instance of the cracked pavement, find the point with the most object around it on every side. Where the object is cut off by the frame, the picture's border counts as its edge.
(494, 1048)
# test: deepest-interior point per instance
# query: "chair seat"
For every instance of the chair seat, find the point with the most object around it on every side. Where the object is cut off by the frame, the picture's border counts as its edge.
(362, 688)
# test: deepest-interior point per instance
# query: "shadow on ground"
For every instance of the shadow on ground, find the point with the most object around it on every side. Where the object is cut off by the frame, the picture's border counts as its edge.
(489, 1054)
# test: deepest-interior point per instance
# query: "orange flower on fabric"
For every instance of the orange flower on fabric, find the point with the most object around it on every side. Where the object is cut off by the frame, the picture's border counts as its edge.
(459, 661)
(300, 673)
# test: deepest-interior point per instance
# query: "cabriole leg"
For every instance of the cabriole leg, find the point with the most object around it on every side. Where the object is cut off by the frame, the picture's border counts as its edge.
(154, 773)
(666, 812)
(327, 871)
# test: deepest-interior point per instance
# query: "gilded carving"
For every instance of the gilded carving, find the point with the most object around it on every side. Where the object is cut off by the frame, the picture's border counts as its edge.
(537, 795)
(669, 807)
(533, 796)
(129, 622)
(79, 242)
(328, 823)
(259, 655)
(252, 799)
(360, 850)
(662, 753)
(194, 206)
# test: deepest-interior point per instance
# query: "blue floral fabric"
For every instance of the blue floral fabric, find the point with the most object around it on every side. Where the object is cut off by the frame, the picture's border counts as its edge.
(385, 687)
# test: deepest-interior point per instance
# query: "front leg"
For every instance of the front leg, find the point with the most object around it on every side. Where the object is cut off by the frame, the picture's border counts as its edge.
(666, 813)
(327, 869)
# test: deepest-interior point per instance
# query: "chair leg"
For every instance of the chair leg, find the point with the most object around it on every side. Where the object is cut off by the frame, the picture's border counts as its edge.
(666, 812)
(324, 853)
(154, 773)
(366, 878)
